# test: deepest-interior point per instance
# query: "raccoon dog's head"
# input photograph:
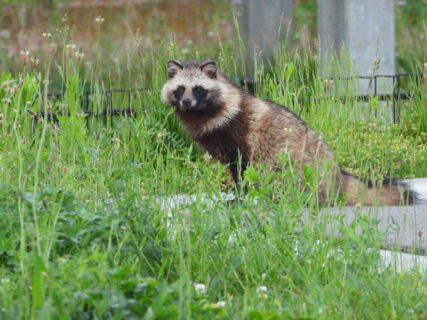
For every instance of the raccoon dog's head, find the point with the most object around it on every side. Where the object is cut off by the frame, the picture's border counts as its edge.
(193, 87)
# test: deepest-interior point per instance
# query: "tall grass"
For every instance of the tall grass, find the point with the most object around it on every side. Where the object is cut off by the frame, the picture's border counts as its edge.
(86, 231)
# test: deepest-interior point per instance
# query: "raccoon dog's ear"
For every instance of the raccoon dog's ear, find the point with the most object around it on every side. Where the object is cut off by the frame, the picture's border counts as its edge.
(209, 67)
(173, 67)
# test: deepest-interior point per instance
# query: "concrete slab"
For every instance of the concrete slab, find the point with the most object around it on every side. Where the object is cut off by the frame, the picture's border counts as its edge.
(404, 227)
(399, 261)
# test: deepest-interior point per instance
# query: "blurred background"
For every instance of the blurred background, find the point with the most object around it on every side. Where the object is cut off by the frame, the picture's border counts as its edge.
(120, 31)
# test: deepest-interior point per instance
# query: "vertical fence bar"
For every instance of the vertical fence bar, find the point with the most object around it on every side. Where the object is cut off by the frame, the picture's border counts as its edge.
(398, 97)
(375, 93)
(394, 99)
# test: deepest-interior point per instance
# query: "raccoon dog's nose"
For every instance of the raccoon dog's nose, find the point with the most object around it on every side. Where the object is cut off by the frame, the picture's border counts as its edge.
(186, 102)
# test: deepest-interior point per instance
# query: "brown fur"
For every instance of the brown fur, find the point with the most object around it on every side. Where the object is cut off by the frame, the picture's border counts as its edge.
(259, 131)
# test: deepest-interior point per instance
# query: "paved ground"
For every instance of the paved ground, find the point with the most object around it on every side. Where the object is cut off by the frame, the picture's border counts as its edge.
(404, 226)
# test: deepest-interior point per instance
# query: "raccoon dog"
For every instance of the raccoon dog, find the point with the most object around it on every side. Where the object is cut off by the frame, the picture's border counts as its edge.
(238, 128)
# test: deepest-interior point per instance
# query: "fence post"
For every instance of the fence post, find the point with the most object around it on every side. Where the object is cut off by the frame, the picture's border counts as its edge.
(262, 25)
(365, 30)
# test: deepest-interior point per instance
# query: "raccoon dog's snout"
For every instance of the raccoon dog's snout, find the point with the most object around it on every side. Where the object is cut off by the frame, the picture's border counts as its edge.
(187, 102)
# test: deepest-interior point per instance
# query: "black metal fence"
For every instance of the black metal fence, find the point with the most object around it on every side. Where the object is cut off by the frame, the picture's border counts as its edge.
(127, 97)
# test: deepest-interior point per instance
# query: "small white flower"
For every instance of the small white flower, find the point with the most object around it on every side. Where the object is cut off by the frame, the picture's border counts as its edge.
(35, 61)
(99, 19)
(262, 292)
(207, 157)
(46, 35)
(231, 238)
(200, 288)
(220, 304)
(262, 289)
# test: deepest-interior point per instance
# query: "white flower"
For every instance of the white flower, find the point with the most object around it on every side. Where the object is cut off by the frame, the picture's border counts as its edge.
(99, 19)
(34, 61)
(200, 288)
(220, 304)
(262, 292)
(46, 35)
(262, 289)
(231, 238)
(207, 157)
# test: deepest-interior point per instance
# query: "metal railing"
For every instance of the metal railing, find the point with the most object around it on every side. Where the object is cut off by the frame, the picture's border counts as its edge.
(107, 97)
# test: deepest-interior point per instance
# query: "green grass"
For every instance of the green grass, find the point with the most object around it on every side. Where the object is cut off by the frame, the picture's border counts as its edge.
(83, 234)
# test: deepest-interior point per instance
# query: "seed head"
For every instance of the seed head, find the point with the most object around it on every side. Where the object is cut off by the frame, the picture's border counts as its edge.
(25, 56)
(99, 19)
(329, 83)
(46, 35)
(79, 57)
(53, 47)
(35, 61)
(115, 140)
(425, 67)
(69, 49)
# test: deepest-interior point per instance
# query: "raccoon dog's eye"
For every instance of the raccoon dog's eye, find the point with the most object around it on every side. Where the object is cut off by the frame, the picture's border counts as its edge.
(179, 92)
(200, 93)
